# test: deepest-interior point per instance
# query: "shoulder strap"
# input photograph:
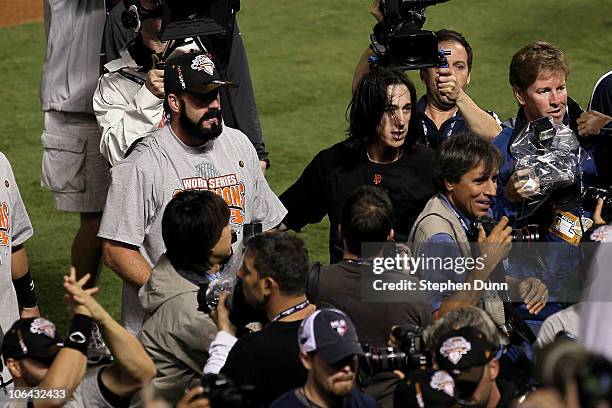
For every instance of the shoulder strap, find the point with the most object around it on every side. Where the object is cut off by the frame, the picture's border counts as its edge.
(414, 229)
(312, 283)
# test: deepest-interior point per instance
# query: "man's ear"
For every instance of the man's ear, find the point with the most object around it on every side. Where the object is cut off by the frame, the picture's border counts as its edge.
(518, 94)
(306, 360)
(14, 367)
(391, 235)
(174, 103)
(340, 232)
(269, 285)
(469, 77)
(493, 368)
(423, 75)
(450, 186)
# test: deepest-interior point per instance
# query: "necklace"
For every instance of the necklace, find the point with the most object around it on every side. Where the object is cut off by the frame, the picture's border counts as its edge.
(397, 156)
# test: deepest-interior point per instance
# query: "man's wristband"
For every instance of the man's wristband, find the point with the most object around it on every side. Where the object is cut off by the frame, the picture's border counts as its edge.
(25, 290)
(80, 333)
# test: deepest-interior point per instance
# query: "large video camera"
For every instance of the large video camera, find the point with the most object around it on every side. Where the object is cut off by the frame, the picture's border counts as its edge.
(208, 23)
(410, 354)
(398, 39)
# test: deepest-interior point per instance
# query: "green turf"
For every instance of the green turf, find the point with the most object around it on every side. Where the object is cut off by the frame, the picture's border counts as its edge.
(302, 56)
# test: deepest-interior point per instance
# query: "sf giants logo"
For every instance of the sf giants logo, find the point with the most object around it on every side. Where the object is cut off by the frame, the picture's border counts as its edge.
(377, 179)
(5, 224)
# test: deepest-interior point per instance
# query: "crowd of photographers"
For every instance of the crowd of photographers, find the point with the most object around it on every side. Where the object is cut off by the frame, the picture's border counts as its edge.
(162, 155)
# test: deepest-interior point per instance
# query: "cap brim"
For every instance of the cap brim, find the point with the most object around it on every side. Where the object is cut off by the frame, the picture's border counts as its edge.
(209, 87)
(337, 352)
(471, 374)
(48, 352)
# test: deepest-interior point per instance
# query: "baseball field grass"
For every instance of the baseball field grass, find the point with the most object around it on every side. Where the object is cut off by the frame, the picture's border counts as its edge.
(302, 54)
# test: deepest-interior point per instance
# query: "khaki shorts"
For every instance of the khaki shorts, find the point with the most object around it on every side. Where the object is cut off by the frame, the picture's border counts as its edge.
(72, 166)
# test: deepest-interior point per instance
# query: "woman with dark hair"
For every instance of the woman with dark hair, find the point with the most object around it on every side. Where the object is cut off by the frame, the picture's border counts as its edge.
(382, 150)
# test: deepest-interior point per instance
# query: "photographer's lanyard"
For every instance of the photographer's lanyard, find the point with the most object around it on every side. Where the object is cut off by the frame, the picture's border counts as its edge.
(290, 311)
(459, 217)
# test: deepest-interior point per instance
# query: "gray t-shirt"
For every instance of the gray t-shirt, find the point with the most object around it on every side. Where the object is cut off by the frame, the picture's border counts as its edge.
(161, 165)
(88, 393)
(15, 229)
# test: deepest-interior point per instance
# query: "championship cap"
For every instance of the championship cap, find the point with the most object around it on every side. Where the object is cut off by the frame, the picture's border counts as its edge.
(34, 337)
(464, 352)
(427, 388)
(331, 334)
(193, 72)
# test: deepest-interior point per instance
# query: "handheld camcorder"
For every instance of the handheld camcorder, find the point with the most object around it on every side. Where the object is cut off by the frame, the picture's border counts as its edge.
(398, 39)
(411, 353)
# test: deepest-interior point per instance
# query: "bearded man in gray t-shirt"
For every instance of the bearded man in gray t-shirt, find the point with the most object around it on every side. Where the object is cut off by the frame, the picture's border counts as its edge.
(194, 151)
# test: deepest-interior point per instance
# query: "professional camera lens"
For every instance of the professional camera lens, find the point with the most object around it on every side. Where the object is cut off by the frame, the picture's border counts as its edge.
(530, 233)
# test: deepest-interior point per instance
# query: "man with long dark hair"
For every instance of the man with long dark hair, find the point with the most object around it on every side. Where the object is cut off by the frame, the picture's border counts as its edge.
(381, 150)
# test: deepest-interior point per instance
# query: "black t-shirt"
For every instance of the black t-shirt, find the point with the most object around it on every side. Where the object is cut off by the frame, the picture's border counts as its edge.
(269, 360)
(340, 285)
(336, 172)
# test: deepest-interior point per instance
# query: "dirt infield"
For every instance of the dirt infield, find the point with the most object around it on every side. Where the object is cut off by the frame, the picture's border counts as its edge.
(20, 11)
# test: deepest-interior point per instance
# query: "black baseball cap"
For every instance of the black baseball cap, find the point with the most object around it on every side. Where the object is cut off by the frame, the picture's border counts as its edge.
(426, 388)
(192, 72)
(34, 337)
(464, 352)
(331, 334)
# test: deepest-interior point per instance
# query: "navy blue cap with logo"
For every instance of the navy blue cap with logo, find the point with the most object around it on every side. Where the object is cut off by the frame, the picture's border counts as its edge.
(331, 334)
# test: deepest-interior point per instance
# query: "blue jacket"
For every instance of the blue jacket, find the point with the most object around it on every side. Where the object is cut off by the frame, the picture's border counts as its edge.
(552, 263)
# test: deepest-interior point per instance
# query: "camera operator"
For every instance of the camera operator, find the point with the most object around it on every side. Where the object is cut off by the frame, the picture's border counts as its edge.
(538, 75)
(36, 357)
(129, 98)
(366, 220)
(273, 277)
(197, 236)
(195, 151)
(329, 350)
(465, 172)
(367, 217)
(446, 109)
(381, 150)
(466, 344)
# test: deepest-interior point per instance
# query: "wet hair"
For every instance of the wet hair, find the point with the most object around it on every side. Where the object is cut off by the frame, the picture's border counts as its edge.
(533, 59)
(369, 104)
(367, 216)
(451, 35)
(191, 226)
(282, 257)
(459, 154)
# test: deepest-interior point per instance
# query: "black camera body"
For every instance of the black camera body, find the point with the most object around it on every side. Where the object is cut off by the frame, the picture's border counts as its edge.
(592, 194)
(222, 392)
(528, 233)
(398, 39)
(411, 353)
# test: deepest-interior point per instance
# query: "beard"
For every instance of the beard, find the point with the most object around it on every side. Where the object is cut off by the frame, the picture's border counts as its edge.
(196, 130)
